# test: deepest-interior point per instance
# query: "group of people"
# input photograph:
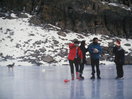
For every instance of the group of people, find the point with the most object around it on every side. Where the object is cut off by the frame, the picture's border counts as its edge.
(77, 58)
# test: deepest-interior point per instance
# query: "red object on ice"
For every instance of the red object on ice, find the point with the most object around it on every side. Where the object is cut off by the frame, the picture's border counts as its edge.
(66, 80)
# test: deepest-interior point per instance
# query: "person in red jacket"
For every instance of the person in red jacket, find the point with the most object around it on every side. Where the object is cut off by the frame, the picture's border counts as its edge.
(75, 56)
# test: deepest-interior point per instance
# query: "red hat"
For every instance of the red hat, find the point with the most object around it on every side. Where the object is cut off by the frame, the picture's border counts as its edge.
(118, 43)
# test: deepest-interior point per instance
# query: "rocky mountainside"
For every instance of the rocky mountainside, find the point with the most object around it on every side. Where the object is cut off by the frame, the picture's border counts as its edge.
(23, 43)
(111, 17)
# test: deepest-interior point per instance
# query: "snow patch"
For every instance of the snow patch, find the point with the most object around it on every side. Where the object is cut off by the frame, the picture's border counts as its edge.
(118, 5)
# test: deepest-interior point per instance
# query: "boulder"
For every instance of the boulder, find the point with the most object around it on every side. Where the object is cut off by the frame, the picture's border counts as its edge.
(63, 52)
(22, 15)
(48, 59)
(35, 20)
(61, 33)
(55, 42)
(127, 44)
(128, 60)
(42, 50)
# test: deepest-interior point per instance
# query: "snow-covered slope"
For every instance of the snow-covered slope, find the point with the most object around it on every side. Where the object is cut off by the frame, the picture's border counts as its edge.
(118, 5)
(21, 42)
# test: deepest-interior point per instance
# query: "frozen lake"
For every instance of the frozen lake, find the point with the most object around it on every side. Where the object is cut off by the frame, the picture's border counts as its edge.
(48, 83)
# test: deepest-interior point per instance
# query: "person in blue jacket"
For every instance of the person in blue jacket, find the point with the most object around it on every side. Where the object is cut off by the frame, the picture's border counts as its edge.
(95, 51)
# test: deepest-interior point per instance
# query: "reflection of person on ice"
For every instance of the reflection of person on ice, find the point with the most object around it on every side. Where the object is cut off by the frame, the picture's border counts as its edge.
(119, 53)
(75, 56)
(95, 51)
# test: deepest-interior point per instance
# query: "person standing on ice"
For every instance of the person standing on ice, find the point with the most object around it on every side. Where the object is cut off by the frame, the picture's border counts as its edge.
(119, 60)
(95, 51)
(75, 56)
(84, 50)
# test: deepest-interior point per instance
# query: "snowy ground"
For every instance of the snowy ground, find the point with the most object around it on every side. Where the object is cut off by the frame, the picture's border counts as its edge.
(36, 82)
(18, 38)
(118, 5)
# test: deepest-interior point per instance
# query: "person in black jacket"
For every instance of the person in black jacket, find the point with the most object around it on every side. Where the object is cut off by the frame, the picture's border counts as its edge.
(119, 53)
(84, 50)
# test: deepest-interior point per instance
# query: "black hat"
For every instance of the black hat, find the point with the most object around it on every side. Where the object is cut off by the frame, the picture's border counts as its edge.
(95, 38)
(83, 42)
(76, 41)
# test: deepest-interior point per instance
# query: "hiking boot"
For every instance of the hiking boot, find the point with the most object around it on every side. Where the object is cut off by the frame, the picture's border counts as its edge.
(93, 77)
(119, 78)
(81, 77)
(98, 77)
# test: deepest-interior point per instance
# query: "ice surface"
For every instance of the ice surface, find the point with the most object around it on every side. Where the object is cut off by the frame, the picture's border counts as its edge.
(47, 82)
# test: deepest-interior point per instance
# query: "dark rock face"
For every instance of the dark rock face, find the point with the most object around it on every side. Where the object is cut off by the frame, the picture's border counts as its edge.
(79, 15)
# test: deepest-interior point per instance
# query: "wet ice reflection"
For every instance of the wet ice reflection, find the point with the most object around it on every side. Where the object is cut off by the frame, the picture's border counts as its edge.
(33, 83)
